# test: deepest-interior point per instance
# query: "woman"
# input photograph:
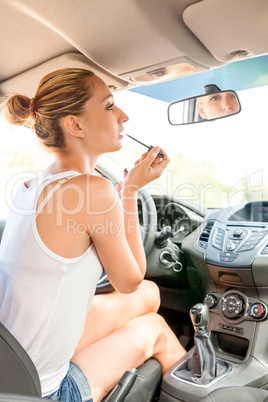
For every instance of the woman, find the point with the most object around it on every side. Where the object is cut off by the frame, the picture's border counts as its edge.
(64, 227)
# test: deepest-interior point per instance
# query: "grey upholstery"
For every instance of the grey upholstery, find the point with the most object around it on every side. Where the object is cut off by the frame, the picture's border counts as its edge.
(147, 382)
(18, 374)
(2, 226)
(19, 398)
(237, 394)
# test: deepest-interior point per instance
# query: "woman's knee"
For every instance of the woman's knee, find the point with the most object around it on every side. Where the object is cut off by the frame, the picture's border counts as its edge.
(157, 322)
(151, 326)
(152, 294)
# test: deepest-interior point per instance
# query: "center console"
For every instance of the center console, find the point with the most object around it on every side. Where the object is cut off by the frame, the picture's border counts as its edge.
(234, 245)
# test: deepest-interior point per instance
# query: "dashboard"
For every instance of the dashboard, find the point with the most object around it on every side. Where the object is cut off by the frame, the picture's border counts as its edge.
(233, 243)
(234, 238)
(223, 259)
(226, 247)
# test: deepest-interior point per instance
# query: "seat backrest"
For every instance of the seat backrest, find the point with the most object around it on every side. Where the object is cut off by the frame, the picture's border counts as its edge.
(19, 398)
(18, 374)
(2, 226)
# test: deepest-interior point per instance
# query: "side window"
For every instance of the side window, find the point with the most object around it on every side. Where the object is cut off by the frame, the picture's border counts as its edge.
(21, 156)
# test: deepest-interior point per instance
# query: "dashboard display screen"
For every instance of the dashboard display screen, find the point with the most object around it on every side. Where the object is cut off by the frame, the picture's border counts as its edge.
(252, 212)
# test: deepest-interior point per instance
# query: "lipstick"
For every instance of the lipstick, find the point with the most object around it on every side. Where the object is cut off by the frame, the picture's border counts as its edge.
(160, 154)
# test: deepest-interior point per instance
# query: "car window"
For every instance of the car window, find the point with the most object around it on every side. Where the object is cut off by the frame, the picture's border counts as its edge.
(214, 164)
(21, 156)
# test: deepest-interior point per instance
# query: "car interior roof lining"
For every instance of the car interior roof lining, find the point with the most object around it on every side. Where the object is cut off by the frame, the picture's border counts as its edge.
(150, 35)
(238, 25)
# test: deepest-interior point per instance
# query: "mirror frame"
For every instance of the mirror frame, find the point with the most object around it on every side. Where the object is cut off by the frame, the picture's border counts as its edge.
(202, 120)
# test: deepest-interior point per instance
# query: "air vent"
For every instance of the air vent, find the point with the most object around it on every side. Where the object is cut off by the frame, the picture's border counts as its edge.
(203, 239)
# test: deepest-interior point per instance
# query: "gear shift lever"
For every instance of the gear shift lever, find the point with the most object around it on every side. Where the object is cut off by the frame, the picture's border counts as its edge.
(199, 318)
(202, 366)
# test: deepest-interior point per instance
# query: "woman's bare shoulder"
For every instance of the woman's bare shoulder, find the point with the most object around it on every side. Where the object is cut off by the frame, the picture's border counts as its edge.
(97, 191)
(93, 181)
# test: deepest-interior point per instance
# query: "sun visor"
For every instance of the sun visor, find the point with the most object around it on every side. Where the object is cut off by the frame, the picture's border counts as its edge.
(237, 29)
(27, 82)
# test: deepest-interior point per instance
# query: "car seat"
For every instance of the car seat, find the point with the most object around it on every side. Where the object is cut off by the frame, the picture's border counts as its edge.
(18, 374)
(19, 398)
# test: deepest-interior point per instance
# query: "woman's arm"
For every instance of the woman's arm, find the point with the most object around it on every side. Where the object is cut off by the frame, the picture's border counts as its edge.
(147, 168)
(113, 225)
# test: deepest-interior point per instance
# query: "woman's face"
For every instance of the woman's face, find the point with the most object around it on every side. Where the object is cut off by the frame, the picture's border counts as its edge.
(218, 105)
(102, 120)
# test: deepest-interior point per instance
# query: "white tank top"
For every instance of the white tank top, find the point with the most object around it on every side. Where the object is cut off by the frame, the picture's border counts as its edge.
(44, 298)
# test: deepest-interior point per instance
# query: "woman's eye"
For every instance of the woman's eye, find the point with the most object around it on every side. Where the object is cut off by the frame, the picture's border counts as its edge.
(214, 98)
(110, 107)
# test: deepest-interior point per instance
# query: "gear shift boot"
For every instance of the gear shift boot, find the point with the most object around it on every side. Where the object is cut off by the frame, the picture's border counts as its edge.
(202, 366)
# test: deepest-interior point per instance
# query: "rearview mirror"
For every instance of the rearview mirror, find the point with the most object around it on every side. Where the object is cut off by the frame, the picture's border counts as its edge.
(197, 109)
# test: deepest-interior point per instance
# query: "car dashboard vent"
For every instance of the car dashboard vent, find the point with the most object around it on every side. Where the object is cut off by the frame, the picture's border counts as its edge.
(203, 239)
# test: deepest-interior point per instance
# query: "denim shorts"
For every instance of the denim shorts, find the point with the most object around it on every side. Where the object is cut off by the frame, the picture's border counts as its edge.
(73, 388)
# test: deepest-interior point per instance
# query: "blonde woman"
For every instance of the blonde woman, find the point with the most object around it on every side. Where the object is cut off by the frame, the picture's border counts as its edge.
(61, 234)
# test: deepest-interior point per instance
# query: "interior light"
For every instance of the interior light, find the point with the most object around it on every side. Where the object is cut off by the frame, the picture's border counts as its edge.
(164, 73)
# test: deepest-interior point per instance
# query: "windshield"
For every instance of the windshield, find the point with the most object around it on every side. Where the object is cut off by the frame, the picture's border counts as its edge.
(214, 164)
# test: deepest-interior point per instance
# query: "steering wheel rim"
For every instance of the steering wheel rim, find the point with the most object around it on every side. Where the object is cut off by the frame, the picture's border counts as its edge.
(148, 230)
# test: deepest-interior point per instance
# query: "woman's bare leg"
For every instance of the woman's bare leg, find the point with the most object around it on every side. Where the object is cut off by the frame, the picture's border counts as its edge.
(112, 310)
(105, 361)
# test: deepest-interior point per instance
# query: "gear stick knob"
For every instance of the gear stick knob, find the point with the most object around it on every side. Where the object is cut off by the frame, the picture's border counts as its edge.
(199, 317)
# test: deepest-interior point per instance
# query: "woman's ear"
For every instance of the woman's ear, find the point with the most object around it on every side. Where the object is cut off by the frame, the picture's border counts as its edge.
(73, 126)
(200, 110)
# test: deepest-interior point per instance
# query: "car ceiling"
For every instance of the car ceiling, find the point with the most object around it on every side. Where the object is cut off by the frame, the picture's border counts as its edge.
(120, 39)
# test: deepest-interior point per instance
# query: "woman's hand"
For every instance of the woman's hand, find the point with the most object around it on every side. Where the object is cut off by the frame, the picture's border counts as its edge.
(148, 168)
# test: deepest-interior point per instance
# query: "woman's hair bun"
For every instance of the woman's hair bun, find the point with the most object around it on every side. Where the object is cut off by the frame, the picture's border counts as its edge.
(17, 109)
(59, 94)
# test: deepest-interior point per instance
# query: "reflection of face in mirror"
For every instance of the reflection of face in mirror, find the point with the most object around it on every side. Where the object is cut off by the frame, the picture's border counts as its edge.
(217, 105)
(206, 107)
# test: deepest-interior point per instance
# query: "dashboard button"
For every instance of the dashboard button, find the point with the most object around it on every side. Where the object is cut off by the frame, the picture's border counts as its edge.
(210, 300)
(258, 311)
(232, 306)
(230, 246)
(218, 238)
(227, 257)
(238, 233)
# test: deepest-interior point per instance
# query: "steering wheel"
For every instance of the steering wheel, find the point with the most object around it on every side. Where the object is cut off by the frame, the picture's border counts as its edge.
(148, 230)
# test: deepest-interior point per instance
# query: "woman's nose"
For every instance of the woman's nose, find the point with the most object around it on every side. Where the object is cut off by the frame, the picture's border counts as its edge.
(226, 105)
(123, 117)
